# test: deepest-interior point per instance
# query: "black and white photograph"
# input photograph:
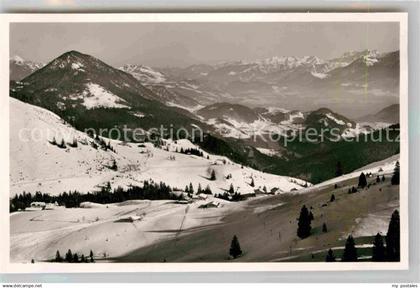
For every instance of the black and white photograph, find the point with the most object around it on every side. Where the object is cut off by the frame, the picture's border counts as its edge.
(208, 140)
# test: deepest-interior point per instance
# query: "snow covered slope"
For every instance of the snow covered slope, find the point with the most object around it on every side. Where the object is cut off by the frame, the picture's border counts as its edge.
(38, 165)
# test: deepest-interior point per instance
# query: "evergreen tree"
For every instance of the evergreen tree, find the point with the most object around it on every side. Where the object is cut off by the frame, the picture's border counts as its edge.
(58, 257)
(392, 238)
(324, 228)
(252, 182)
(207, 190)
(330, 256)
(231, 189)
(69, 256)
(235, 249)
(304, 223)
(91, 256)
(378, 250)
(350, 251)
(213, 175)
(114, 165)
(378, 179)
(338, 169)
(199, 189)
(332, 199)
(362, 180)
(75, 258)
(395, 180)
(191, 188)
(383, 178)
(82, 258)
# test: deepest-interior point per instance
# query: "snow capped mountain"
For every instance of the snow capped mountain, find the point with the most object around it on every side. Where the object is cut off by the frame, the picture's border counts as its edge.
(84, 165)
(83, 77)
(92, 94)
(20, 68)
(144, 74)
(173, 89)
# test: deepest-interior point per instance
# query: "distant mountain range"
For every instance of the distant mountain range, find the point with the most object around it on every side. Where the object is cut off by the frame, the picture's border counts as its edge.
(351, 84)
(88, 93)
(344, 84)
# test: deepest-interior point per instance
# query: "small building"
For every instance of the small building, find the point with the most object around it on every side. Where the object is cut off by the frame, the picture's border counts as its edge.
(38, 205)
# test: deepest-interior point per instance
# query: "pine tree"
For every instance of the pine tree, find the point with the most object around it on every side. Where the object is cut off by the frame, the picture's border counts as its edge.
(58, 257)
(304, 223)
(114, 165)
(332, 199)
(82, 258)
(392, 238)
(362, 180)
(324, 228)
(75, 258)
(350, 251)
(199, 189)
(330, 256)
(213, 175)
(378, 250)
(235, 248)
(383, 178)
(191, 188)
(252, 182)
(207, 190)
(91, 256)
(338, 169)
(378, 179)
(69, 256)
(395, 180)
(231, 189)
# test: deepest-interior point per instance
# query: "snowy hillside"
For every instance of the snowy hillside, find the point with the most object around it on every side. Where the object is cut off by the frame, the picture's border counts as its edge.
(39, 165)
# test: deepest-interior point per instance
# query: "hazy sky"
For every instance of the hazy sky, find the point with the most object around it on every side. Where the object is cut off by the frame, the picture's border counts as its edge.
(181, 44)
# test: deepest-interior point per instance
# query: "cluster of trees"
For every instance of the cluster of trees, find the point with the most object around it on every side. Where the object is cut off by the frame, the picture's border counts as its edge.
(191, 151)
(190, 190)
(234, 197)
(100, 143)
(389, 252)
(74, 258)
(62, 143)
(150, 191)
(231, 195)
(395, 179)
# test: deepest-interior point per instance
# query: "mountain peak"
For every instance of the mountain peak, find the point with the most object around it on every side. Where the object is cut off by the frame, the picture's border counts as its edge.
(17, 59)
